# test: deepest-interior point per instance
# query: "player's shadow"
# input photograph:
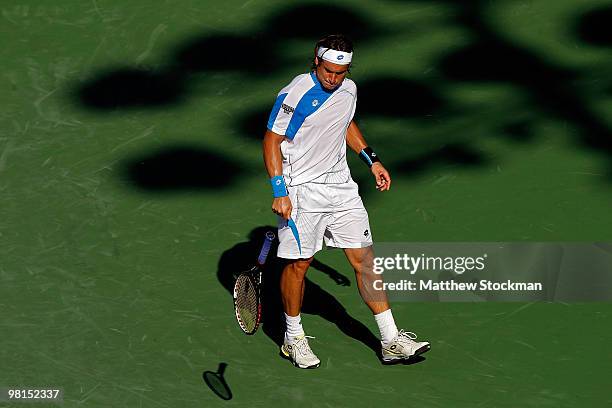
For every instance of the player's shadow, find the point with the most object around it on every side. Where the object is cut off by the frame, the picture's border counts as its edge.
(317, 301)
(409, 361)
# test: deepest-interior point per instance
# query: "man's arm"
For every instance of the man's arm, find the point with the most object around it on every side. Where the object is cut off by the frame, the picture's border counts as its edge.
(356, 141)
(274, 165)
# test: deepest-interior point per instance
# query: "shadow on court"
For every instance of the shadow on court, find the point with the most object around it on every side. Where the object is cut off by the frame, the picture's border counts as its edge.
(247, 54)
(553, 90)
(216, 382)
(594, 27)
(180, 168)
(134, 88)
(549, 89)
(317, 301)
(452, 154)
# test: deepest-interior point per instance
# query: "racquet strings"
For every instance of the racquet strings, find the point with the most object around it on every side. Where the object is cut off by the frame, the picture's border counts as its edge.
(247, 304)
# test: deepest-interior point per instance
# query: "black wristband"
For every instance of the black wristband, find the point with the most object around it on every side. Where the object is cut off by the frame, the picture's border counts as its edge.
(368, 156)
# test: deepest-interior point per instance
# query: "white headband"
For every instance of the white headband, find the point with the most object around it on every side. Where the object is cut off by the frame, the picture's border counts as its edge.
(335, 56)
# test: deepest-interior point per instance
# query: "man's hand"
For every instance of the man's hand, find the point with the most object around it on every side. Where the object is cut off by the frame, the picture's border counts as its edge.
(282, 206)
(383, 180)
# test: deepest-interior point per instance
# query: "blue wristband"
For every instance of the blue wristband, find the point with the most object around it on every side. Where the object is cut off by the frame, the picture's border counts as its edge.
(279, 189)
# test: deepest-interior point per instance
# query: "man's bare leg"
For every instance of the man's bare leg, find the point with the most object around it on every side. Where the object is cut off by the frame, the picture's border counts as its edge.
(295, 345)
(292, 285)
(396, 345)
(362, 261)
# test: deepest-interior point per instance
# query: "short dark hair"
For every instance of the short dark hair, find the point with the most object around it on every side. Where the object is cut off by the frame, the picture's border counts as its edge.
(338, 42)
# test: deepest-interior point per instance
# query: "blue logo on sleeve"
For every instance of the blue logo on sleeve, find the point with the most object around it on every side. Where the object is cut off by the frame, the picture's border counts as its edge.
(340, 57)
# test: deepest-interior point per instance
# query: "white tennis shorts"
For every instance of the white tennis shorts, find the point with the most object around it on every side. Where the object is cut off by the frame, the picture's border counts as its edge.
(330, 213)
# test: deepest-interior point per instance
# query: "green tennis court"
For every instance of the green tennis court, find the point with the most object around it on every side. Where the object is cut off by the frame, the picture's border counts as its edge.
(132, 185)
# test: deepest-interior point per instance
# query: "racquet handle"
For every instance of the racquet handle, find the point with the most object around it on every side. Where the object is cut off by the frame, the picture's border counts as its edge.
(263, 255)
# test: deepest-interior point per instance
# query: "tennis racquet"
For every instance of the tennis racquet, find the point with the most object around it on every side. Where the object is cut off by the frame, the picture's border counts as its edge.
(247, 291)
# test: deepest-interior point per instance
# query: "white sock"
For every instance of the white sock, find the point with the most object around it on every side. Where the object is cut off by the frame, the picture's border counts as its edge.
(294, 326)
(386, 325)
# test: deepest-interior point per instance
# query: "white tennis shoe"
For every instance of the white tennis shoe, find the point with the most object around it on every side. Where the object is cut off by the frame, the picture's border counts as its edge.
(299, 353)
(403, 346)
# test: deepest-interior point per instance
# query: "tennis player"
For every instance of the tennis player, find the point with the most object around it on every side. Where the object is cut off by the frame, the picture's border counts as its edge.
(317, 201)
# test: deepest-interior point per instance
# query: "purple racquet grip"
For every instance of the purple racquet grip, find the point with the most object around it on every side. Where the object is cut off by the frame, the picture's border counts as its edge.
(263, 255)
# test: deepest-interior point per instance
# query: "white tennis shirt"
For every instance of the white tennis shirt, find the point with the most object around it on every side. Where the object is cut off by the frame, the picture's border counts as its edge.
(314, 122)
